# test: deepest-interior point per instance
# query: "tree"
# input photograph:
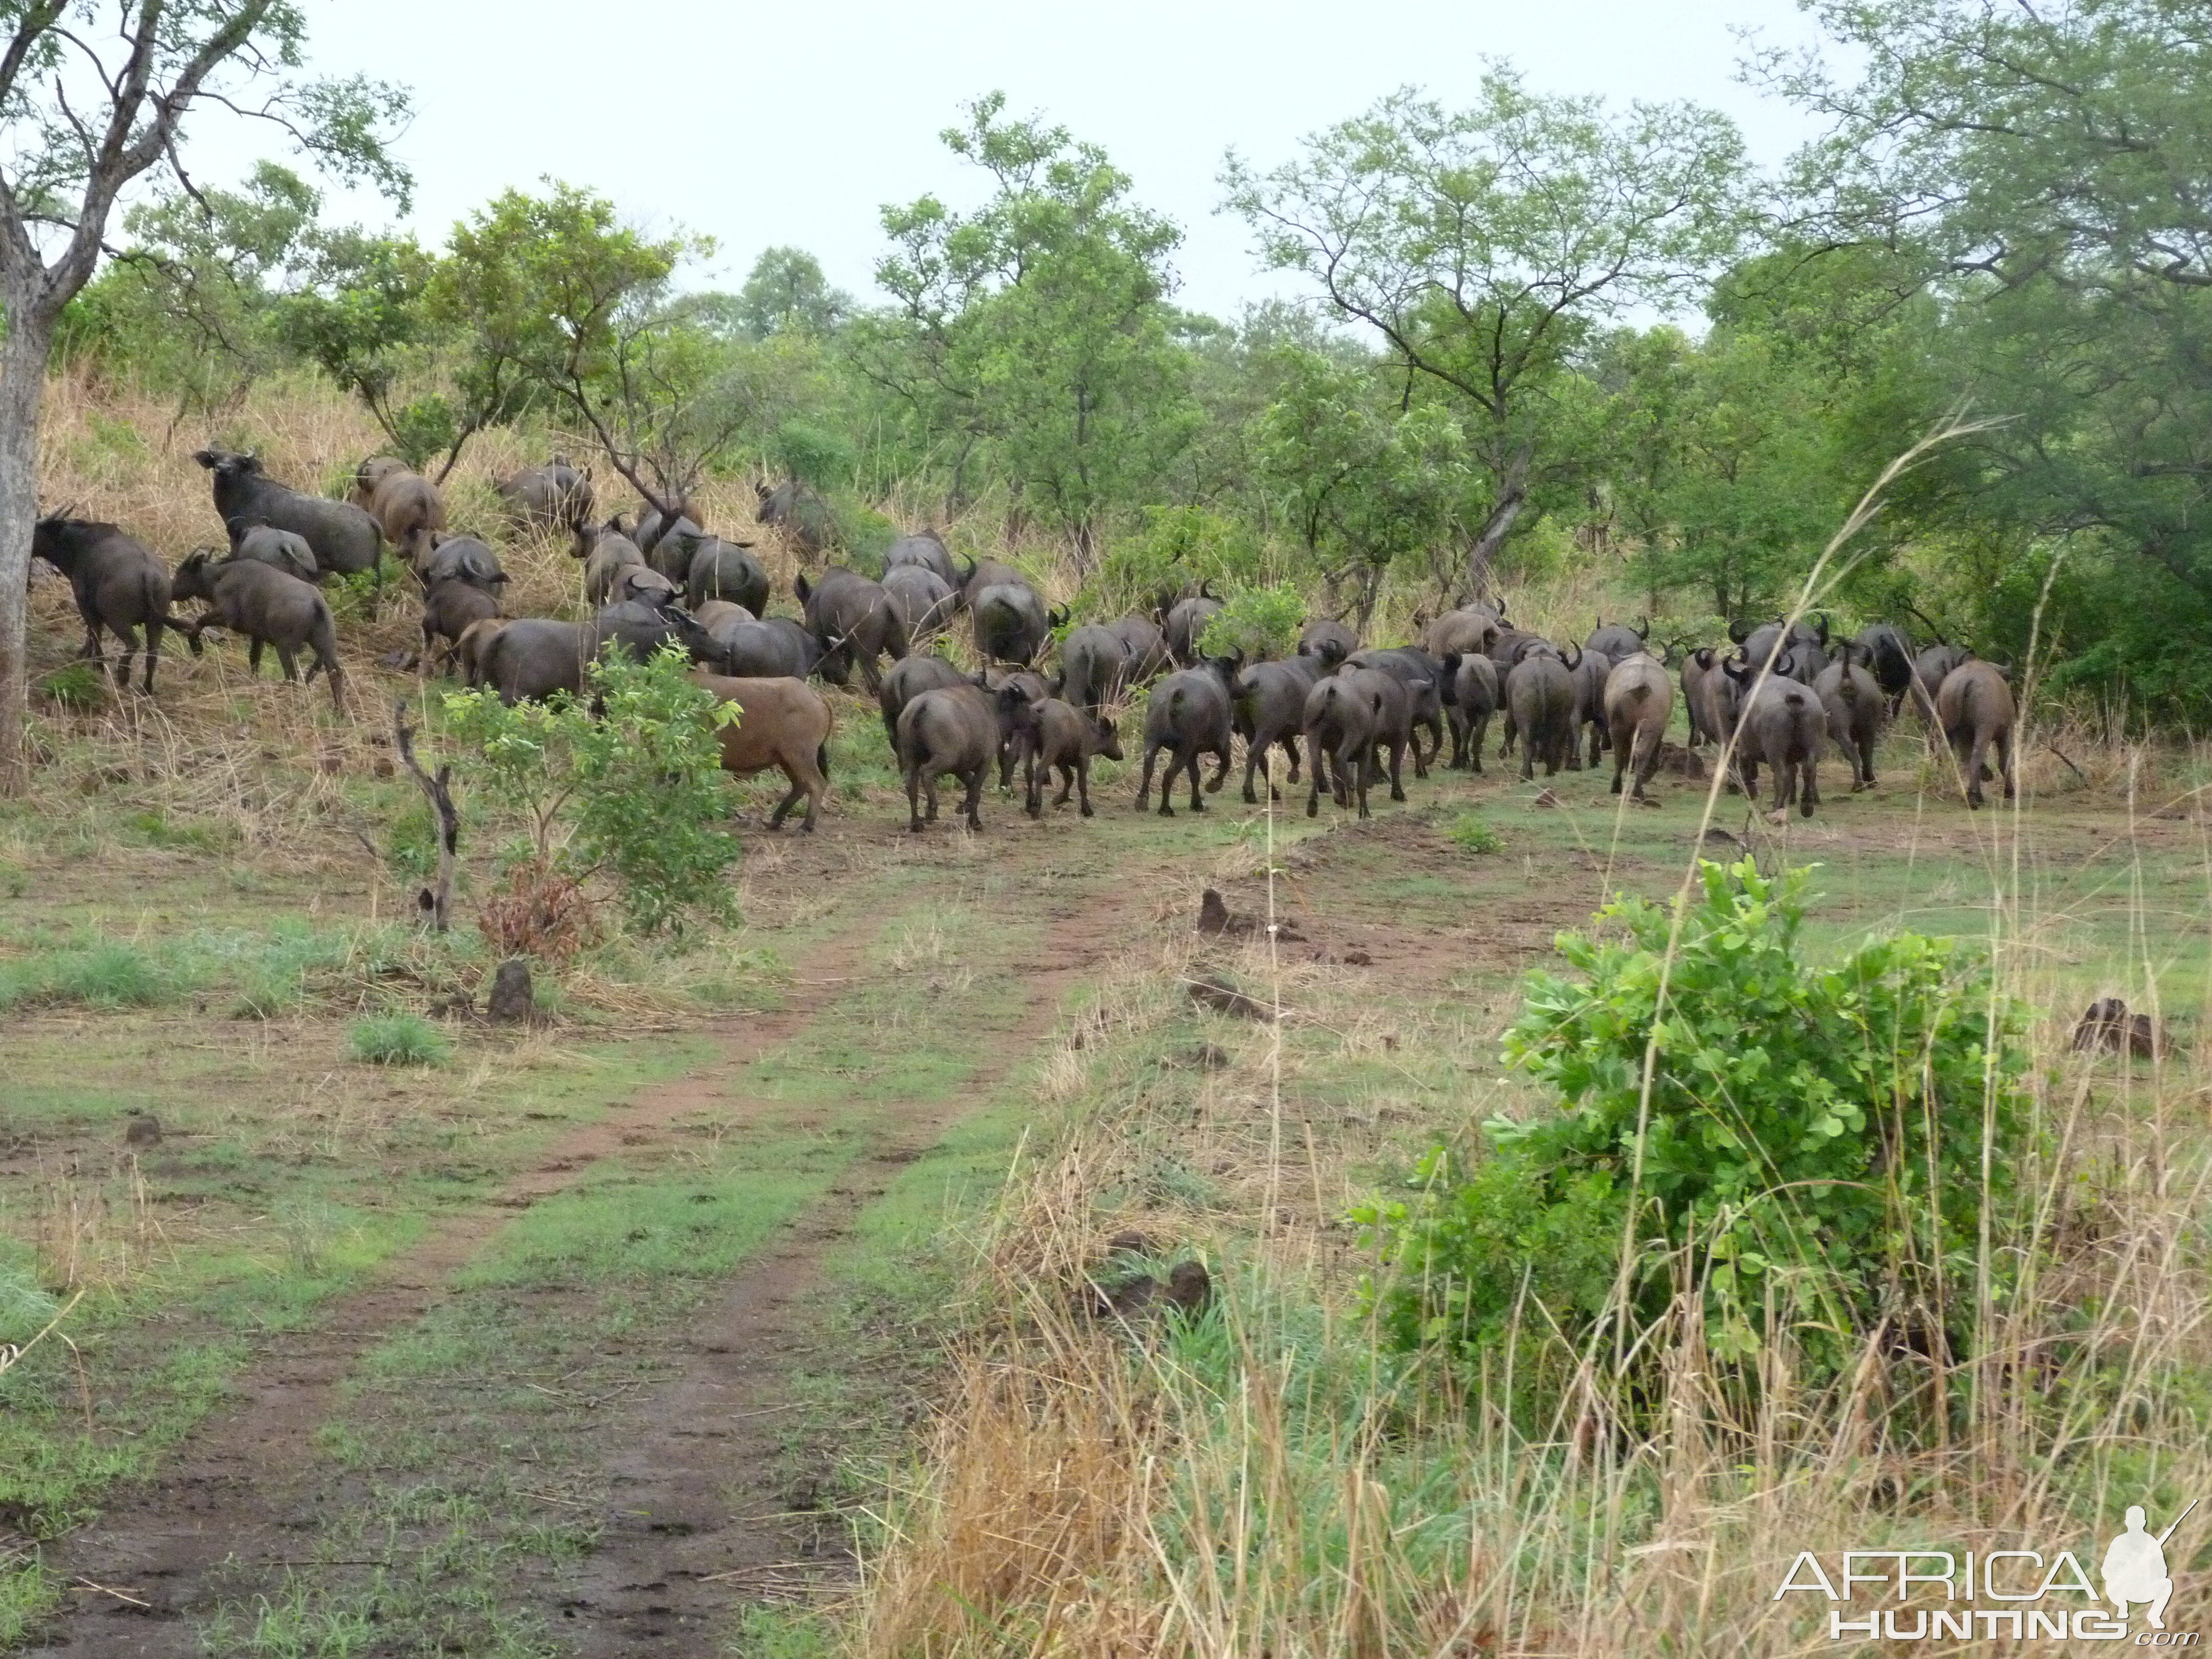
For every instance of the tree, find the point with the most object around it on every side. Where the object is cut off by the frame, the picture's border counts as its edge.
(190, 302)
(579, 306)
(1484, 246)
(786, 291)
(1357, 477)
(2044, 175)
(92, 96)
(1037, 326)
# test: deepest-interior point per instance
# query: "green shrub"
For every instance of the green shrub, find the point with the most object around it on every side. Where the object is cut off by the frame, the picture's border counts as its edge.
(74, 686)
(398, 1039)
(1472, 831)
(25, 1309)
(1177, 546)
(636, 794)
(1812, 1161)
(1255, 623)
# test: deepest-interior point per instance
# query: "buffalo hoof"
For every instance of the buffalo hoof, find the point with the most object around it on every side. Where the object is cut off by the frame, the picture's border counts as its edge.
(1313, 809)
(1087, 812)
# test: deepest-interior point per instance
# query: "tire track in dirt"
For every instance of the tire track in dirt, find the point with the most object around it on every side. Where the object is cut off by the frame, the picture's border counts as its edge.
(247, 1482)
(693, 1518)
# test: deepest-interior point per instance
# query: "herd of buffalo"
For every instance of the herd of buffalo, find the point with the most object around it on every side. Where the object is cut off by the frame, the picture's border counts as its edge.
(1781, 692)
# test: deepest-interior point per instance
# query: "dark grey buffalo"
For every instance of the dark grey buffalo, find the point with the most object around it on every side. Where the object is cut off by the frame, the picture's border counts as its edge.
(1782, 726)
(345, 539)
(1184, 622)
(924, 601)
(1188, 715)
(1851, 699)
(926, 550)
(1539, 703)
(1146, 644)
(1618, 639)
(774, 648)
(117, 582)
(907, 679)
(1268, 710)
(1066, 739)
(712, 569)
(952, 732)
(1975, 710)
(280, 549)
(1094, 666)
(1327, 638)
(269, 607)
(554, 496)
(851, 620)
(1423, 676)
(1471, 697)
(1011, 622)
(463, 559)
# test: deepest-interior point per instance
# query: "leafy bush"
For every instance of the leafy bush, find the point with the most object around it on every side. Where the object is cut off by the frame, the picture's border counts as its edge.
(1260, 621)
(398, 1039)
(635, 793)
(74, 686)
(1813, 1159)
(1472, 831)
(1177, 546)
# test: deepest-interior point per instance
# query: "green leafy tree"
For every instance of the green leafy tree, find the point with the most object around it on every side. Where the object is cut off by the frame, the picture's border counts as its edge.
(1485, 246)
(786, 292)
(579, 307)
(2044, 176)
(1358, 478)
(1035, 332)
(190, 302)
(92, 99)
(1826, 1152)
(630, 789)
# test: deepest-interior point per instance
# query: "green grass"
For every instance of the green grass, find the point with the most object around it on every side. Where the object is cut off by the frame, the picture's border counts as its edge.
(398, 1039)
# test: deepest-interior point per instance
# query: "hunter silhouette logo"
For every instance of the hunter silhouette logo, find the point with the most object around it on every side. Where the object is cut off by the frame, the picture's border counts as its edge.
(2135, 1567)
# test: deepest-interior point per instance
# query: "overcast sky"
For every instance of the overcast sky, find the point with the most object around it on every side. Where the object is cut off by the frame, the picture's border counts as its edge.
(795, 124)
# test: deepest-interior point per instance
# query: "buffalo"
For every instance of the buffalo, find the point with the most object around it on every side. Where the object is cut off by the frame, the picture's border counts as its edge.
(1188, 715)
(1066, 736)
(781, 722)
(269, 608)
(117, 583)
(346, 540)
(1975, 708)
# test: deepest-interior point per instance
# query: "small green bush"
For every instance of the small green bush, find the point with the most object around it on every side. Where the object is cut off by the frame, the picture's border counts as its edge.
(1472, 831)
(636, 794)
(1812, 1161)
(398, 1039)
(74, 686)
(1258, 622)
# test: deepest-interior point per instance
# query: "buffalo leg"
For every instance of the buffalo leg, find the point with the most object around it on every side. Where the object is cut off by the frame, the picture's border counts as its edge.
(975, 782)
(1255, 761)
(1363, 768)
(291, 667)
(1082, 783)
(1198, 800)
(1313, 775)
(914, 799)
(1144, 787)
(153, 650)
(1808, 787)
(2005, 759)
(1397, 760)
(254, 658)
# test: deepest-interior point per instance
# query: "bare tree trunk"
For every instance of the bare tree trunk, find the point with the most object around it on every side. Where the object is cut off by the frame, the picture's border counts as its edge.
(434, 902)
(1512, 496)
(22, 385)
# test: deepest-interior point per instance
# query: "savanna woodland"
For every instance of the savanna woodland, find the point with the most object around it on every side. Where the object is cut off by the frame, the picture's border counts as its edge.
(1682, 1058)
